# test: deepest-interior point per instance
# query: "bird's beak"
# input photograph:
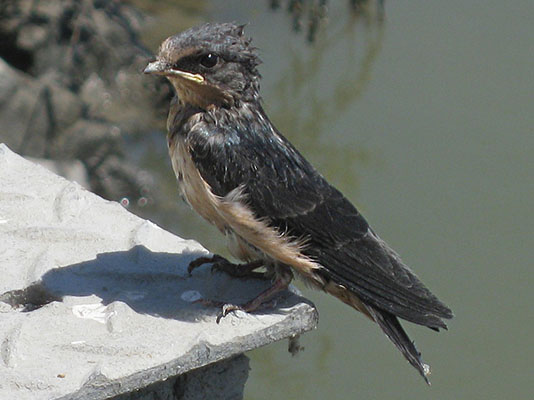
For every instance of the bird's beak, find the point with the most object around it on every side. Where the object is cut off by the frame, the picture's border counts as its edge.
(156, 67)
(161, 68)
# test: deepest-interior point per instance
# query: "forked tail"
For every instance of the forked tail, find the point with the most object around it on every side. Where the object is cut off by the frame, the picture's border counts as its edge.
(395, 332)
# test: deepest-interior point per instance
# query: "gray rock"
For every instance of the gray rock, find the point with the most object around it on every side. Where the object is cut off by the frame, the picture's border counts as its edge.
(99, 145)
(68, 62)
(66, 107)
(21, 111)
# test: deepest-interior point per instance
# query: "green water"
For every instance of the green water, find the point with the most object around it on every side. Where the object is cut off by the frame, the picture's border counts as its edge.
(426, 122)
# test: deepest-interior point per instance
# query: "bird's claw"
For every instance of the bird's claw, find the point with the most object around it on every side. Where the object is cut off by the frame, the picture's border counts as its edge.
(204, 260)
(247, 308)
(227, 309)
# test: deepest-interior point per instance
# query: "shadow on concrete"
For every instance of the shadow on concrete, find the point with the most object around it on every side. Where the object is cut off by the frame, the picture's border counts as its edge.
(149, 283)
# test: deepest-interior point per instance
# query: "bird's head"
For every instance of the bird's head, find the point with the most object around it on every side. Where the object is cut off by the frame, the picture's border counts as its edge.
(210, 65)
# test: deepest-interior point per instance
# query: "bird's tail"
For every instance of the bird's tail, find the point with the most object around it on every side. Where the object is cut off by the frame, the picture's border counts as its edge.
(395, 332)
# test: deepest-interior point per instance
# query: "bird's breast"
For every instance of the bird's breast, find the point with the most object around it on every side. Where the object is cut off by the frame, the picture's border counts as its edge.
(194, 189)
(248, 235)
(198, 194)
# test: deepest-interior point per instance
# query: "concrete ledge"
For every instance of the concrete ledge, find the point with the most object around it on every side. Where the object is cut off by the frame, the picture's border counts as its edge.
(223, 380)
(96, 302)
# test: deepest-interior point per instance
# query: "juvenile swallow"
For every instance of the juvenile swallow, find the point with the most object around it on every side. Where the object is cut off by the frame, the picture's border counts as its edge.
(277, 212)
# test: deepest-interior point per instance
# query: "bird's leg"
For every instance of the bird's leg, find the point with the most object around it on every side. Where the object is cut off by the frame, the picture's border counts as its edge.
(220, 263)
(281, 283)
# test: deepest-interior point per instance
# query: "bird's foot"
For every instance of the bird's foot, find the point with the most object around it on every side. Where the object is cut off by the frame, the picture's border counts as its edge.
(264, 298)
(219, 263)
(226, 308)
(204, 260)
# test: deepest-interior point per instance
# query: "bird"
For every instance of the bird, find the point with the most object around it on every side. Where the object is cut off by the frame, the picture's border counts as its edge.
(278, 213)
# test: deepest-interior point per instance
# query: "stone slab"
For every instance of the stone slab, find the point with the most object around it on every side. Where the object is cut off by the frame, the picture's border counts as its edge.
(223, 380)
(96, 302)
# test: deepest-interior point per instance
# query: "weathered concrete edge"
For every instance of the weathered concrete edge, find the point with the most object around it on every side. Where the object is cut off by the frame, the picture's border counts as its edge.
(97, 386)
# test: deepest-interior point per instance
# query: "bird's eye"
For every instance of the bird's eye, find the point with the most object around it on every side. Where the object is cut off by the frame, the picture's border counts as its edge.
(209, 60)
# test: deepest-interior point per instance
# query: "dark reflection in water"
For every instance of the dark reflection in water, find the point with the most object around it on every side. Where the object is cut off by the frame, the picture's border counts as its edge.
(312, 15)
(308, 111)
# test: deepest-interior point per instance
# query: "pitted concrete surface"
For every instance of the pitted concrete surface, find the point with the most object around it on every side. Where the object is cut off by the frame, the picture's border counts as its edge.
(95, 302)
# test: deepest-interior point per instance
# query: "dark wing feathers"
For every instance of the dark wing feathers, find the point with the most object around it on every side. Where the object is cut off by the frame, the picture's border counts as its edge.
(282, 187)
(339, 238)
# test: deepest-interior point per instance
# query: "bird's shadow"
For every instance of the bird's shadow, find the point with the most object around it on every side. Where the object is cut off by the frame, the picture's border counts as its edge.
(152, 283)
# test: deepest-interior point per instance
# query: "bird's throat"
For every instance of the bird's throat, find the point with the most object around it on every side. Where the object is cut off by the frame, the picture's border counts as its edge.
(200, 94)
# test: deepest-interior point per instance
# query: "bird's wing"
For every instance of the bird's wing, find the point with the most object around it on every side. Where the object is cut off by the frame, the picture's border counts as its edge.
(281, 187)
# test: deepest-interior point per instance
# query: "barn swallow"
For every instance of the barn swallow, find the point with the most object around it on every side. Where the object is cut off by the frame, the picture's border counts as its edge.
(277, 212)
